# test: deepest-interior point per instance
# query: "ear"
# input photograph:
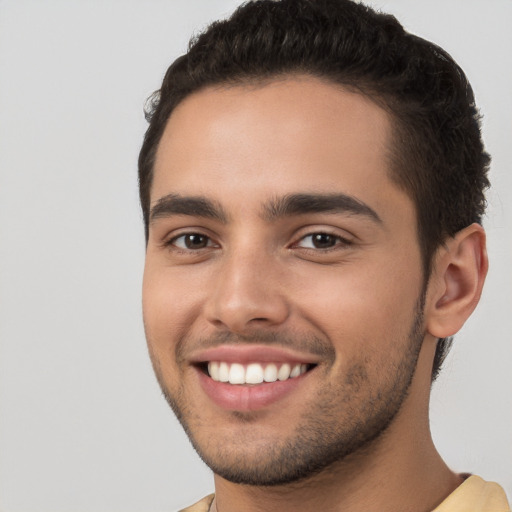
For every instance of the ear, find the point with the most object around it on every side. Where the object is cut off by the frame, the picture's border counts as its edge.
(456, 281)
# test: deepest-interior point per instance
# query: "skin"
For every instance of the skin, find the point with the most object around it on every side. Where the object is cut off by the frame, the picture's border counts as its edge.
(358, 309)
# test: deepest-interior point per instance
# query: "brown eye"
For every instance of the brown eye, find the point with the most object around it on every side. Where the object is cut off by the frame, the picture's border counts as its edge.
(191, 241)
(321, 241)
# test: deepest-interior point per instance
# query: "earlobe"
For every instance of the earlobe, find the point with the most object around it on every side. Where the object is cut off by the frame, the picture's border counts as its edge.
(456, 282)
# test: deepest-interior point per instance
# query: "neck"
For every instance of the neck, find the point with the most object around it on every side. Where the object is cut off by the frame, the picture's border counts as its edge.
(352, 486)
(401, 470)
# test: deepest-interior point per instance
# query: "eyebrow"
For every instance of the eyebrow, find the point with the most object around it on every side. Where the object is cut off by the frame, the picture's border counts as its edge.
(298, 204)
(174, 204)
(286, 206)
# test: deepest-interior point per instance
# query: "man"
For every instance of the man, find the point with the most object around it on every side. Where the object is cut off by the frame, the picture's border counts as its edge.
(312, 183)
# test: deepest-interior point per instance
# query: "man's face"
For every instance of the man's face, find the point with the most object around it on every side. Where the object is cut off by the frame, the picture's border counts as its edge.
(279, 244)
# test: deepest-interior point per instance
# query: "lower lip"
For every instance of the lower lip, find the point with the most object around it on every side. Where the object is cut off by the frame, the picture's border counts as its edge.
(235, 397)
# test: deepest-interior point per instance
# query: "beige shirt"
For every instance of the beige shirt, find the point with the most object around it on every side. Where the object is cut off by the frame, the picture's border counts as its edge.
(473, 495)
(200, 506)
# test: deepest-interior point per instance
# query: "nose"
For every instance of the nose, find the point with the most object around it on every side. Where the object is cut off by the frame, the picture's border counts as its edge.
(248, 293)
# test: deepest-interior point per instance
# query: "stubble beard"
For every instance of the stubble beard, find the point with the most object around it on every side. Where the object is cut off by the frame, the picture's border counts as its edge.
(345, 419)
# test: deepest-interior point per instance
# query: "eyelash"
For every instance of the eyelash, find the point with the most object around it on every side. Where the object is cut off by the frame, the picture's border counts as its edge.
(172, 242)
(339, 242)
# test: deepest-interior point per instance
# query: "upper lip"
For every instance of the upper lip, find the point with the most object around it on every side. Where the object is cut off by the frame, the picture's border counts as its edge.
(245, 354)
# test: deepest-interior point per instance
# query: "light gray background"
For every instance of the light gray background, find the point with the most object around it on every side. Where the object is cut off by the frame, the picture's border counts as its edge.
(82, 424)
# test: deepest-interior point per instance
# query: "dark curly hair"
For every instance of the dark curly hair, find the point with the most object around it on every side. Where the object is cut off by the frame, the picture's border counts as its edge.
(437, 155)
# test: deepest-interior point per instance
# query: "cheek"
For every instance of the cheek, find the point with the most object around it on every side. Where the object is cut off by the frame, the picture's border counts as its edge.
(165, 293)
(171, 302)
(358, 304)
(161, 306)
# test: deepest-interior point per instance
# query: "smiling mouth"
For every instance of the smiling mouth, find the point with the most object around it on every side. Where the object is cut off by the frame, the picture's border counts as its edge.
(253, 373)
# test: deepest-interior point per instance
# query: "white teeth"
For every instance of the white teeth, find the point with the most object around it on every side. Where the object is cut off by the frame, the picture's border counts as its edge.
(295, 371)
(254, 373)
(223, 372)
(237, 374)
(270, 374)
(213, 370)
(284, 372)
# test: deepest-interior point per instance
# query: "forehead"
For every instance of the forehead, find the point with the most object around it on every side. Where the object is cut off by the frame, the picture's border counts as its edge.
(291, 135)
